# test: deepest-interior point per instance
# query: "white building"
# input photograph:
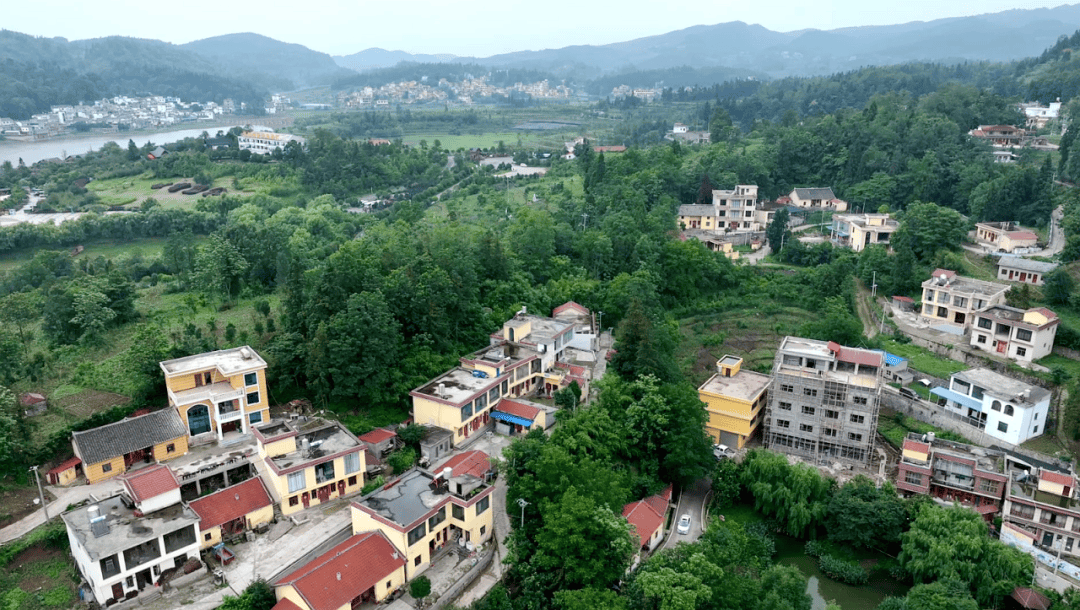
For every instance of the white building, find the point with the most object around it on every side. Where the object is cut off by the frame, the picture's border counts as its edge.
(119, 550)
(1002, 407)
(1015, 333)
(264, 143)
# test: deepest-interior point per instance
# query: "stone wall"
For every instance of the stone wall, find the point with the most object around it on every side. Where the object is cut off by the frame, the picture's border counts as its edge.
(463, 583)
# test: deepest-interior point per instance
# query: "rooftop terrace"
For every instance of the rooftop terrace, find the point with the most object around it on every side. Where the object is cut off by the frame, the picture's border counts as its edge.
(455, 386)
(409, 499)
(228, 361)
(123, 529)
(322, 439)
(744, 385)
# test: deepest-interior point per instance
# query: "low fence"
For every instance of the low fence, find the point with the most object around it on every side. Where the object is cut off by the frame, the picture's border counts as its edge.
(465, 581)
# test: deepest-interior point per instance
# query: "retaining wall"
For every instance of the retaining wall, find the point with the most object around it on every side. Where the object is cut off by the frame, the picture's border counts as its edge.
(465, 581)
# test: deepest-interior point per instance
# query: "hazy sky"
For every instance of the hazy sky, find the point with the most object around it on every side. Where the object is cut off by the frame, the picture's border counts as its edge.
(479, 28)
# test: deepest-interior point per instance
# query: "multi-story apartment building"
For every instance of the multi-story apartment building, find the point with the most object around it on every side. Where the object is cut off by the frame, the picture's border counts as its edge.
(857, 231)
(952, 299)
(1005, 408)
(954, 472)
(1041, 501)
(1015, 333)
(309, 462)
(123, 543)
(218, 392)
(823, 401)
(423, 513)
(734, 400)
(1023, 270)
(264, 143)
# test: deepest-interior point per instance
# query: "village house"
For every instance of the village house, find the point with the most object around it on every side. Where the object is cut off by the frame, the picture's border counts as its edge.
(264, 143)
(953, 472)
(231, 511)
(647, 519)
(359, 572)
(309, 462)
(584, 323)
(858, 231)
(1004, 236)
(999, 135)
(515, 416)
(1039, 116)
(218, 393)
(424, 514)
(733, 210)
(123, 544)
(110, 450)
(953, 300)
(817, 199)
(734, 400)
(1004, 408)
(1015, 333)
(1041, 502)
(823, 402)
(1023, 270)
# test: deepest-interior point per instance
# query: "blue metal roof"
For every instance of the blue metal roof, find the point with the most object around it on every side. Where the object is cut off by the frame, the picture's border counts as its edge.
(959, 398)
(890, 359)
(513, 419)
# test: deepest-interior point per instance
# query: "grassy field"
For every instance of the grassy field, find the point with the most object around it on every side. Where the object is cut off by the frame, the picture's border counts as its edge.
(148, 248)
(39, 576)
(487, 140)
(894, 427)
(922, 359)
(135, 190)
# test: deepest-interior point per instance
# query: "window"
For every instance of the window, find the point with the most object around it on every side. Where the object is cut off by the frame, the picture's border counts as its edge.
(436, 519)
(352, 463)
(1021, 351)
(483, 505)
(389, 583)
(808, 410)
(980, 338)
(987, 486)
(106, 468)
(109, 567)
(324, 472)
(1036, 418)
(255, 418)
(830, 414)
(996, 405)
(1008, 409)
(915, 478)
(1023, 334)
(786, 406)
(859, 400)
(857, 419)
(854, 437)
(782, 423)
(294, 500)
(416, 561)
(296, 481)
(253, 398)
(483, 530)
(787, 388)
(170, 448)
(1022, 510)
(207, 536)
(806, 428)
(493, 395)
(466, 412)
(810, 391)
(144, 553)
(1035, 430)
(457, 512)
(251, 379)
(1003, 427)
(352, 481)
(417, 534)
(829, 432)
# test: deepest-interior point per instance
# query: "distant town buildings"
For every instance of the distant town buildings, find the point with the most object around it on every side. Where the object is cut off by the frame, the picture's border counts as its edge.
(110, 114)
(465, 92)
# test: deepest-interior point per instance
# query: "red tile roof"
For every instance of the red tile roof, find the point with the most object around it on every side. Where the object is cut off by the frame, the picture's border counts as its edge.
(377, 436)
(231, 503)
(31, 398)
(644, 520)
(855, 356)
(660, 501)
(1054, 477)
(62, 466)
(339, 575)
(1046, 312)
(477, 463)
(940, 272)
(903, 299)
(570, 305)
(286, 604)
(149, 482)
(1022, 235)
(511, 407)
(916, 446)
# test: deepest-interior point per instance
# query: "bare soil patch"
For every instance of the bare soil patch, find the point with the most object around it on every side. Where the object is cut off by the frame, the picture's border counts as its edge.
(87, 402)
(18, 502)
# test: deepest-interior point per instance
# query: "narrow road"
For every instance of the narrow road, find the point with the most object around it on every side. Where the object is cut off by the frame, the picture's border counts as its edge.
(692, 501)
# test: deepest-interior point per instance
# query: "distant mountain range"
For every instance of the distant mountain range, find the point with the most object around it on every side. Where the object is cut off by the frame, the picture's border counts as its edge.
(1003, 36)
(287, 65)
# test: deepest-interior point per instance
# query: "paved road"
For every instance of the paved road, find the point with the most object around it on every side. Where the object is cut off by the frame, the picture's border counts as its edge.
(692, 500)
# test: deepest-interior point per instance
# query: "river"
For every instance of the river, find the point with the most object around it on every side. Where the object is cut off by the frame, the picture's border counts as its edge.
(822, 589)
(32, 152)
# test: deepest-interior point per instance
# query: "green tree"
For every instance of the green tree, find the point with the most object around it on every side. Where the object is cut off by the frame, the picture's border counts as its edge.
(777, 231)
(862, 514)
(1058, 287)
(797, 496)
(220, 268)
(420, 587)
(645, 346)
(589, 599)
(21, 310)
(941, 595)
(837, 323)
(257, 596)
(926, 228)
(361, 340)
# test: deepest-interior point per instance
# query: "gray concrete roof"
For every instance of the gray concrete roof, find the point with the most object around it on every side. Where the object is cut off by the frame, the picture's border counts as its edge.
(407, 501)
(1005, 388)
(745, 385)
(228, 361)
(113, 440)
(1024, 264)
(125, 530)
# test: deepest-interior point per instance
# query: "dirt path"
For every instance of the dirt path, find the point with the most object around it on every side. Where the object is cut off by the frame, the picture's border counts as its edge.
(862, 307)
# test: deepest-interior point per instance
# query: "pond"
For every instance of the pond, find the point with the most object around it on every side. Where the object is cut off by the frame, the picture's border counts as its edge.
(789, 551)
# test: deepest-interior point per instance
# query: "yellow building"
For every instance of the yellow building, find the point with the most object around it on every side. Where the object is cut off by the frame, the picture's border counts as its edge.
(734, 400)
(308, 463)
(109, 450)
(218, 392)
(857, 231)
(422, 514)
(364, 569)
(232, 510)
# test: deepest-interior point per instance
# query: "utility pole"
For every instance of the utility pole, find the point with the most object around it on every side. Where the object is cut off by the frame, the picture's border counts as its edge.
(873, 287)
(584, 220)
(41, 493)
(522, 503)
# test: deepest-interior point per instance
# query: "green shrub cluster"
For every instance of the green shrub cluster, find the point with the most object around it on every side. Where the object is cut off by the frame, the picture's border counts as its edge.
(841, 570)
(814, 548)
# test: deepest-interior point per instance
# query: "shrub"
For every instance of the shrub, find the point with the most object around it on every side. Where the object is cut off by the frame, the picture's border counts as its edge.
(814, 548)
(420, 587)
(843, 571)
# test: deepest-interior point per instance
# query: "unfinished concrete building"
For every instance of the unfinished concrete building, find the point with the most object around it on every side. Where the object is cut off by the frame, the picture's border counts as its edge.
(823, 401)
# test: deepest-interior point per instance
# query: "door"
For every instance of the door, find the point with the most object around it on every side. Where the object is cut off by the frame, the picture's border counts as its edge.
(1048, 540)
(306, 499)
(118, 591)
(198, 418)
(142, 579)
(341, 488)
(1002, 346)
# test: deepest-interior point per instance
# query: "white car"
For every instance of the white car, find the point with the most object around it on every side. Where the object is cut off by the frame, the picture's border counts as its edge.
(684, 524)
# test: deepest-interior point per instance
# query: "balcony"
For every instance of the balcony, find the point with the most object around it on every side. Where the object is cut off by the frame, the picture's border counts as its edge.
(214, 393)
